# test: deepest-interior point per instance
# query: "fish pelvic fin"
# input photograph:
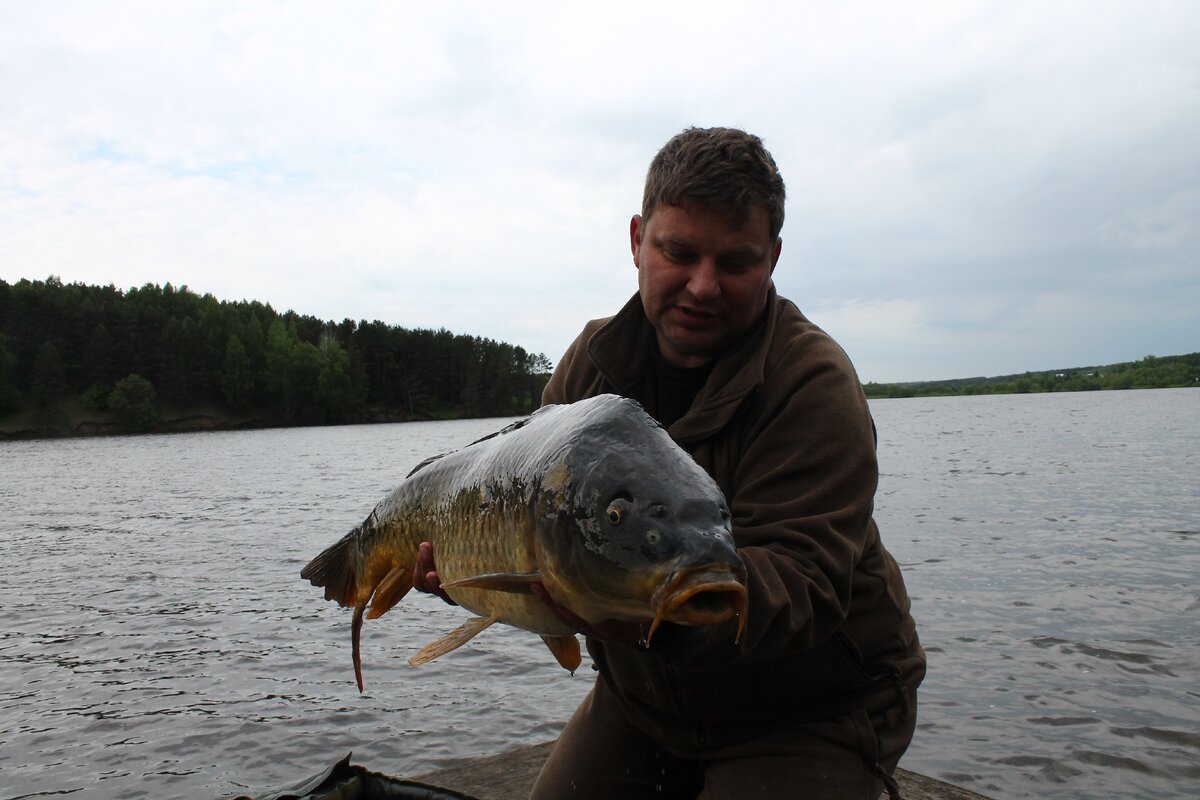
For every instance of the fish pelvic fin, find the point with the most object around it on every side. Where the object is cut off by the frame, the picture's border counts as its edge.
(453, 640)
(391, 590)
(565, 650)
(513, 582)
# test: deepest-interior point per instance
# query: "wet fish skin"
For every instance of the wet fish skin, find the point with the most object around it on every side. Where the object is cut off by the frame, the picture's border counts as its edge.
(592, 499)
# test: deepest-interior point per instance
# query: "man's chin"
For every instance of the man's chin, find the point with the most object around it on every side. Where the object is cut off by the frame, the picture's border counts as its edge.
(692, 349)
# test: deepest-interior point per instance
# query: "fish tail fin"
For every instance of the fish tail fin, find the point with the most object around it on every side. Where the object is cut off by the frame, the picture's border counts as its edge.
(337, 569)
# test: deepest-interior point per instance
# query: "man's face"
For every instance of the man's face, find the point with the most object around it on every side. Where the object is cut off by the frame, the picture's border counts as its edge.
(703, 279)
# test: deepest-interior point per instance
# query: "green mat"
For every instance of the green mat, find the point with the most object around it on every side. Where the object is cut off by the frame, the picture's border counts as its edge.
(344, 781)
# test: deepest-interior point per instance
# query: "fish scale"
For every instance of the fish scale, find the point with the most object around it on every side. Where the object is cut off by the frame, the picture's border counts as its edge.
(495, 541)
(592, 500)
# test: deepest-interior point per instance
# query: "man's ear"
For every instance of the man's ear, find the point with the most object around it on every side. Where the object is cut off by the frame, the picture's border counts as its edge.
(635, 238)
(775, 256)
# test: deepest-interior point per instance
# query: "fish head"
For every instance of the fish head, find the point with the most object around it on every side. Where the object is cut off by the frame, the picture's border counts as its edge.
(638, 531)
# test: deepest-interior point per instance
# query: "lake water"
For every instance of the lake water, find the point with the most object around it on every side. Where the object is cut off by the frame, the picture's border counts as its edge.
(156, 639)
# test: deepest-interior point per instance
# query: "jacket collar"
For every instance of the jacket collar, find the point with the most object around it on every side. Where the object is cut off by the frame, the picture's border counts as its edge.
(621, 350)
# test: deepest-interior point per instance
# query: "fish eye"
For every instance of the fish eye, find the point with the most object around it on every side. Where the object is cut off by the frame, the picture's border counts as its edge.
(618, 506)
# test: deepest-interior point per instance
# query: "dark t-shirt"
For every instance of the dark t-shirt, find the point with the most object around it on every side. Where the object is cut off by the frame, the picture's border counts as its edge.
(675, 387)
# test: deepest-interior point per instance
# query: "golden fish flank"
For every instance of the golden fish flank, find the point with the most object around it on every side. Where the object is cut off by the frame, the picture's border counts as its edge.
(593, 500)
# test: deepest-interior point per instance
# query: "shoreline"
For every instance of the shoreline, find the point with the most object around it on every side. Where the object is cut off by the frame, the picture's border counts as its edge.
(186, 423)
(26, 426)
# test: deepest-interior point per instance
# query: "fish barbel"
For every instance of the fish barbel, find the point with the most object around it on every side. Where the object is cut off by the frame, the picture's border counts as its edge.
(592, 499)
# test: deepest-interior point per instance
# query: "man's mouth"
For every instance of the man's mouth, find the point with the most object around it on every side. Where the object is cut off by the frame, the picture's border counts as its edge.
(690, 314)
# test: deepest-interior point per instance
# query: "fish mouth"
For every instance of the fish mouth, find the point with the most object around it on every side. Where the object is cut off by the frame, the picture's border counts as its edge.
(706, 596)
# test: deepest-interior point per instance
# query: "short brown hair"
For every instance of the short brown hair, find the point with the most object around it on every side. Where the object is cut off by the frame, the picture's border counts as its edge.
(723, 169)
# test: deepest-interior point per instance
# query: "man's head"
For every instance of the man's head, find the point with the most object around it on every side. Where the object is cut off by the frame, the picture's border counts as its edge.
(707, 241)
(724, 170)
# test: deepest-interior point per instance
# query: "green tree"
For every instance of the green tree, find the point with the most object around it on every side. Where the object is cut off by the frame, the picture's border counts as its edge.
(304, 363)
(237, 375)
(99, 352)
(10, 398)
(49, 376)
(134, 401)
(336, 393)
(278, 379)
(95, 398)
(537, 374)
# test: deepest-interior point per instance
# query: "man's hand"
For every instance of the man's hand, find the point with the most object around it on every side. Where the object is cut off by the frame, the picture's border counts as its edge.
(425, 577)
(612, 630)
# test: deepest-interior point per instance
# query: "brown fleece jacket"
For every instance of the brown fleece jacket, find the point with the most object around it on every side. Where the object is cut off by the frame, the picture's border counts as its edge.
(783, 427)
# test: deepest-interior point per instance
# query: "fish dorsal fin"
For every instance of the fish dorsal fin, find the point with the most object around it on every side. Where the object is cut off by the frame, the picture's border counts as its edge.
(452, 640)
(514, 582)
(506, 429)
(426, 463)
(565, 650)
(391, 590)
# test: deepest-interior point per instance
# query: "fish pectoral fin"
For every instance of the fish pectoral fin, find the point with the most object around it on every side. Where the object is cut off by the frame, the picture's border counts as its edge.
(452, 640)
(391, 590)
(514, 582)
(565, 650)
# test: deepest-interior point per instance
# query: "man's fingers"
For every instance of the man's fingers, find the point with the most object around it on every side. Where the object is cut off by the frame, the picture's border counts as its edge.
(425, 576)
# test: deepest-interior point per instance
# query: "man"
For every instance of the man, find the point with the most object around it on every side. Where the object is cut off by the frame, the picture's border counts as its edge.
(818, 698)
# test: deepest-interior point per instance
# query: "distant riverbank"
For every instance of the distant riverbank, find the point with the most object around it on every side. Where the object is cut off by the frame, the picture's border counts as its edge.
(1152, 372)
(72, 419)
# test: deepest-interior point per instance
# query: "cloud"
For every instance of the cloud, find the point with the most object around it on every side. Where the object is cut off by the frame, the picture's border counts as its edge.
(974, 188)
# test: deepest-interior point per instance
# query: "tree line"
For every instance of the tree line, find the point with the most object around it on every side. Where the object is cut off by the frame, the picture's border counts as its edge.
(128, 354)
(1152, 372)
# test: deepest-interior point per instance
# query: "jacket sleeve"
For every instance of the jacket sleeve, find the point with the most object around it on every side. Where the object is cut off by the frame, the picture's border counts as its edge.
(804, 475)
(555, 389)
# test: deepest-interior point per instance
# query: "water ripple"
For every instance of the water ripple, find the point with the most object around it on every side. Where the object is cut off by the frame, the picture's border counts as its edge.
(157, 640)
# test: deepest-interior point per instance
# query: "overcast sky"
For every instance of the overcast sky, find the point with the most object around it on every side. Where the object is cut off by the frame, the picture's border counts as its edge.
(974, 188)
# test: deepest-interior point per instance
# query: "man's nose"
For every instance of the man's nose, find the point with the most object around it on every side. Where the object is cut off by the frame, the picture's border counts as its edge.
(704, 283)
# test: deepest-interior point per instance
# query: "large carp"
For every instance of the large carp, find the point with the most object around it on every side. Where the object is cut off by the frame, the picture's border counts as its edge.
(593, 500)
